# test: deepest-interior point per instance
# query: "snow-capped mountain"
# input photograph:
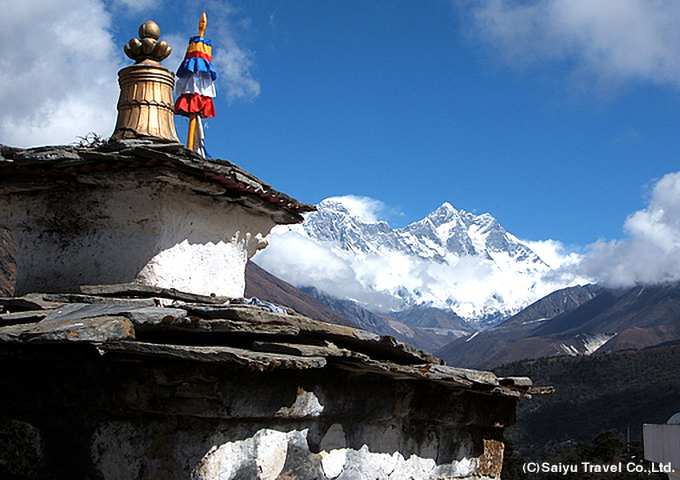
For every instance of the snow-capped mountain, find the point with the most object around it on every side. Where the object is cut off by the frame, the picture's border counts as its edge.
(442, 233)
(450, 259)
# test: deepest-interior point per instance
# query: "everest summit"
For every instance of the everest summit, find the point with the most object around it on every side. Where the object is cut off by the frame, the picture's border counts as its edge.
(451, 259)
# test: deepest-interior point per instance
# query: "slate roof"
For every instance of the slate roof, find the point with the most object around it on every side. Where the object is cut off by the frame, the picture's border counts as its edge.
(73, 161)
(142, 321)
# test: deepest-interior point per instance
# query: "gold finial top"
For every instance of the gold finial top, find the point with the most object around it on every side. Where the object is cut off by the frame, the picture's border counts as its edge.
(148, 49)
(203, 24)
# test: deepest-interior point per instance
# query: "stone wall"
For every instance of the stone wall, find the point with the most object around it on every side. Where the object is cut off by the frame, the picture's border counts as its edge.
(139, 382)
(70, 412)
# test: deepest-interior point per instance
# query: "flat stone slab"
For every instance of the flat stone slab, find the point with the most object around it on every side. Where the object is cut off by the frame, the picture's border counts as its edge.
(100, 329)
(140, 315)
(198, 325)
(135, 289)
(70, 298)
(365, 342)
(31, 301)
(329, 351)
(12, 333)
(441, 374)
(59, 161)
(232, 356)
(31, 316)
(515, 381)
(136, 320)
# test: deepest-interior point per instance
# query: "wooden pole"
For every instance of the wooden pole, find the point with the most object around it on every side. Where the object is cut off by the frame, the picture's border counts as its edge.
(192, 131)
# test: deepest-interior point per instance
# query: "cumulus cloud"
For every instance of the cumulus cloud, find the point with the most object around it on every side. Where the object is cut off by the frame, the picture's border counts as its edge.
(368, 209)
(553, 253)
(301, 261)
(385, 278)
(651, 253)
(58, 65)
(232, 60)
(608, 41)
(389, 279)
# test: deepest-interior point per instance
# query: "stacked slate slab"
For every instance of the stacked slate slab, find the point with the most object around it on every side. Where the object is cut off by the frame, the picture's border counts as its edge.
(147, 382)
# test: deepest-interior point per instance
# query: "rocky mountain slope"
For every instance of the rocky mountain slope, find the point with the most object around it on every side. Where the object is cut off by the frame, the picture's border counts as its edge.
(452, 260)
(604, 392)
(404, 331)
(576, 321)
(268, 288)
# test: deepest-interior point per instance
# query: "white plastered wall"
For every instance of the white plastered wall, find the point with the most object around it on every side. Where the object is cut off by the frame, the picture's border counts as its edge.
(151, 233)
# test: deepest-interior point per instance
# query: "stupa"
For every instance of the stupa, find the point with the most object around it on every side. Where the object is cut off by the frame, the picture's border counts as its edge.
(141, 208)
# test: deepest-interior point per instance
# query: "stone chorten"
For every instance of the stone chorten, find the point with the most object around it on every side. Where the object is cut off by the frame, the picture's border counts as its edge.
(141, 208)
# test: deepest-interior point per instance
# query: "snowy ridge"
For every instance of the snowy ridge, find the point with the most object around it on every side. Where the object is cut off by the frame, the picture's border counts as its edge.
(451, 259)
(587, 344)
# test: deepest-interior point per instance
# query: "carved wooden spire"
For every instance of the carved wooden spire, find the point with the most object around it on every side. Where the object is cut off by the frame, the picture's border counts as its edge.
(146, 103)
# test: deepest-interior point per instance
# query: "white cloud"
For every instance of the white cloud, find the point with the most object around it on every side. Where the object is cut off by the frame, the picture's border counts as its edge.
(610, 41)
(233, 61)
(366, 208)
(59, 64)
(234, 66)
(651, 254)
(472, 286)
(58, 67)
(553, 253)
(296, 258)
(136, 6)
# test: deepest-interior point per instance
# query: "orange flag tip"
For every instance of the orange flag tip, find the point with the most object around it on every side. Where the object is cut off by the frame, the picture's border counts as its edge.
(203, 24)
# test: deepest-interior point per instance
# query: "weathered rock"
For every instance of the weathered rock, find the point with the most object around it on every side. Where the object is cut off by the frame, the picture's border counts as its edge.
(236, 327)
(42, 155)
(328, 351)
(142, 316)
(136, 289)
(12, 333)
(148, 317)
(22, 317)
(66, 298)
(515, 381)
(21, 455)
(31, 301)
(100, 329)
(221, 419)
(232, 356)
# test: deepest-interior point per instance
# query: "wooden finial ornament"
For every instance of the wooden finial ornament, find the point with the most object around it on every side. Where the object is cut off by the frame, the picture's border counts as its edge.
(202, 24)
(147, 48)
(145, 106)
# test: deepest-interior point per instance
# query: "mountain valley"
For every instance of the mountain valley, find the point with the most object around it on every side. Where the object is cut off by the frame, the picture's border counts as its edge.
(575, 321)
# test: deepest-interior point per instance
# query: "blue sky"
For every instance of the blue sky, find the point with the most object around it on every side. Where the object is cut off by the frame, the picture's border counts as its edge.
(555, 116)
